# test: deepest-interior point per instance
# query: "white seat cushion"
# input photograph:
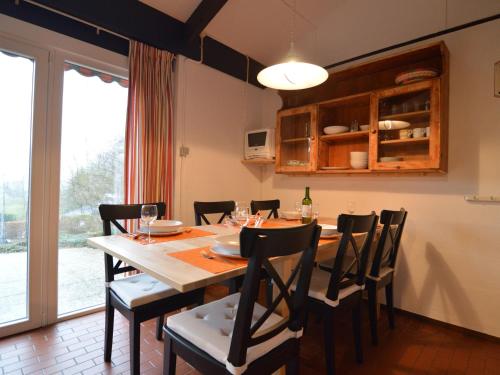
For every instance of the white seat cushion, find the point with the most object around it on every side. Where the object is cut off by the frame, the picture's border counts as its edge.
(140, 289)
(210, 328)
(319, 286)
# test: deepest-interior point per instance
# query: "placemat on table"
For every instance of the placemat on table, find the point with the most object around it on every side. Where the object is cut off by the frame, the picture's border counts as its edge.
(193, 233)
(217, 264)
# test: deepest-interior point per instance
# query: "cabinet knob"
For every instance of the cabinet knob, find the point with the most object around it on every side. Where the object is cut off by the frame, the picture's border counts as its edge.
(374, 131)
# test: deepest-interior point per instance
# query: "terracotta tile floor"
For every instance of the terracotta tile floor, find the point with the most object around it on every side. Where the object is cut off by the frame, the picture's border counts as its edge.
(415, 347)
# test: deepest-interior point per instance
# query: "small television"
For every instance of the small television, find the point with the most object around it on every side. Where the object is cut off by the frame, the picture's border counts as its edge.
(259, 143)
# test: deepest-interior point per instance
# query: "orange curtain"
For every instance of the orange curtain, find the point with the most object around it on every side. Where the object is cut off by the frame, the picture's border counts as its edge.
(148, 139)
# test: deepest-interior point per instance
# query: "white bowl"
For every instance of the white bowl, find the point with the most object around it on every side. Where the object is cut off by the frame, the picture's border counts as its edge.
(393, 125)
(336, 129)
(357, 164)
(328, 230)
(230, 243)
(364, 127)
(290, 215)
(359, 155)
(164, 226)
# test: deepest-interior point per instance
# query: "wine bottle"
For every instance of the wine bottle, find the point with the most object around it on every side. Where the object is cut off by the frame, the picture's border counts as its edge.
(306, 208)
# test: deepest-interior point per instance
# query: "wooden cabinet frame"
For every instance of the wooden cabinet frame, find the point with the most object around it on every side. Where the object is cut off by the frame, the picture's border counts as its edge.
(425, 155)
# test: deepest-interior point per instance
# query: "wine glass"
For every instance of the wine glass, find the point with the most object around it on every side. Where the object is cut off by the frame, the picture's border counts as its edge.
(149, 213)
(351, 207)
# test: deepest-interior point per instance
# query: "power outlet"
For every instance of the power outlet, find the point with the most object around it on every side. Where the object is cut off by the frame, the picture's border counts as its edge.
(183, 151)
(497, 79)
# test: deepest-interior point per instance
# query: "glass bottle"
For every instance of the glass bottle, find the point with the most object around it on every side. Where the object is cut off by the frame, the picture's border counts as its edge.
(306, 208)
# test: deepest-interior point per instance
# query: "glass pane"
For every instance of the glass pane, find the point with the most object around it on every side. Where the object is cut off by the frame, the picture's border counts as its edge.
(404, 127)
(295, 142)
(16, 96)
(92, 154)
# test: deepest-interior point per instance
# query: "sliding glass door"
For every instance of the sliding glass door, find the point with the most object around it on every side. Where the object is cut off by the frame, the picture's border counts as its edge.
(94, 106)
(23, 82)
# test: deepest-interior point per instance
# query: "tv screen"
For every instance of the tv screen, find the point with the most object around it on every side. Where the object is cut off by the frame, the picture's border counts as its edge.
(257, 139)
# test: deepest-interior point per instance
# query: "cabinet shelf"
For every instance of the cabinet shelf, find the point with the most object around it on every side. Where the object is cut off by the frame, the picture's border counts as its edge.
(405, 141)
(416, 116)
(344, 136)
(343, 171)
(295, 140)
(258, 161)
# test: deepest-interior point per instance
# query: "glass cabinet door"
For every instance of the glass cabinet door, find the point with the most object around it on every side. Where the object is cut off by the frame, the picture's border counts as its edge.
(296, 139)
(406, 129)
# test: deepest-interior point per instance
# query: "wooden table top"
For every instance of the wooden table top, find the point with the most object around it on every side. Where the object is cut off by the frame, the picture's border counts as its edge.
(153, 259)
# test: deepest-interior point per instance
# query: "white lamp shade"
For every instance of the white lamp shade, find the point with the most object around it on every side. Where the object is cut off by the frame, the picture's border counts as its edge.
(292, 75)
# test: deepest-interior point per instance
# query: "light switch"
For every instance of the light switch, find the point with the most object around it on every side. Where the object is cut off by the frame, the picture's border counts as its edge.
(184, 151)
(497, 79)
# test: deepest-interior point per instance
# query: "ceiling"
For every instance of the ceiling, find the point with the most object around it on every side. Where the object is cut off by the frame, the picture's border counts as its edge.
(327, 31)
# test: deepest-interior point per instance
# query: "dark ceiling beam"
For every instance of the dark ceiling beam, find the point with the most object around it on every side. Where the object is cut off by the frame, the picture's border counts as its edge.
(201, 17)
(133, 20)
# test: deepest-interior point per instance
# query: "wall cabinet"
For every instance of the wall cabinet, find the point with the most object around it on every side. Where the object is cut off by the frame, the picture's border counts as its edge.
(402, 128)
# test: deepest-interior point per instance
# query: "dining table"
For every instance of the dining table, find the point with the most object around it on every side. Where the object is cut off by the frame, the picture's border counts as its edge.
(185, 260)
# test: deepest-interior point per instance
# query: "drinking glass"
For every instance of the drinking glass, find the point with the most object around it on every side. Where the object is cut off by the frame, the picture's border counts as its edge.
(351, 207)
(315, 211)
(149, 213)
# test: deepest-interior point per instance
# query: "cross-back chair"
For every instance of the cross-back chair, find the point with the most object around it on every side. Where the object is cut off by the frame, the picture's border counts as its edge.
(138, 297)
(341, 286)
(204, 208)
(269, 205)
(381, 273)
(236, 335)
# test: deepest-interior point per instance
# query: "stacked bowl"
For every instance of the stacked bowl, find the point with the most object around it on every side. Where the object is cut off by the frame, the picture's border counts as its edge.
(359, 159)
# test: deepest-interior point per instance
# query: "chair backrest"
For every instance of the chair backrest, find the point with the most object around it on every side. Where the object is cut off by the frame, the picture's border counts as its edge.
(270, 205)
(259, 245)
(343, 276)
(202, 208)
(110, 214)
(388, 244)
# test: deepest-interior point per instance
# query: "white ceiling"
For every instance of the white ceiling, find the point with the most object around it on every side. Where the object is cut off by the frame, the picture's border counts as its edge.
(327, 30)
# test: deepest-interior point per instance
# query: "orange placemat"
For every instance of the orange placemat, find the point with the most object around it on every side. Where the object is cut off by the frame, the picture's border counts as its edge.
(217, 264)
(187, 234)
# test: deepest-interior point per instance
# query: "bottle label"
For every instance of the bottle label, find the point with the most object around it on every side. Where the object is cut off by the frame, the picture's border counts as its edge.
(306, 210)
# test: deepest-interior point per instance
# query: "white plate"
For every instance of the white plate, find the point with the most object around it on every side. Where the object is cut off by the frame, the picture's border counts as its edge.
(160, 234)
(163, 226)
(328, 230)
(230, 243)
(290, 215)
(393, 125)
(225, 253)
(336, 129)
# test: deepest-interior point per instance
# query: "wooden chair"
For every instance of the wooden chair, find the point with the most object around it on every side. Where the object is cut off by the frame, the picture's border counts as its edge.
(341, 287)
(381, 273)
(139, 297)
(236, 335)
(271, 205)
(203, 208)
(225, 208)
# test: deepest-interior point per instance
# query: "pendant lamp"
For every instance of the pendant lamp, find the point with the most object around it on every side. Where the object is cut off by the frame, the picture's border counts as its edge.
(293, 73)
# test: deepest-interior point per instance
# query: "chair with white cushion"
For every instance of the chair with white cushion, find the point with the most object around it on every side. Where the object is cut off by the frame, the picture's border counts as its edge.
(236, 335)
(139, 297)
(341, 287)
(381, 272)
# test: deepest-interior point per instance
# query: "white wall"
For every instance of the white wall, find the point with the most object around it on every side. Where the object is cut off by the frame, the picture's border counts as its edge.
(448, 265)
(212, 112)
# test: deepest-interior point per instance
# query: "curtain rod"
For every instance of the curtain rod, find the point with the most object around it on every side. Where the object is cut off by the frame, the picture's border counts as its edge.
(416, 40)
(98, 28)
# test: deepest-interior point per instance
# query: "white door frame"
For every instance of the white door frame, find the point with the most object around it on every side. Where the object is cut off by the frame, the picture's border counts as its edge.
(54, 156)
(37, 244)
